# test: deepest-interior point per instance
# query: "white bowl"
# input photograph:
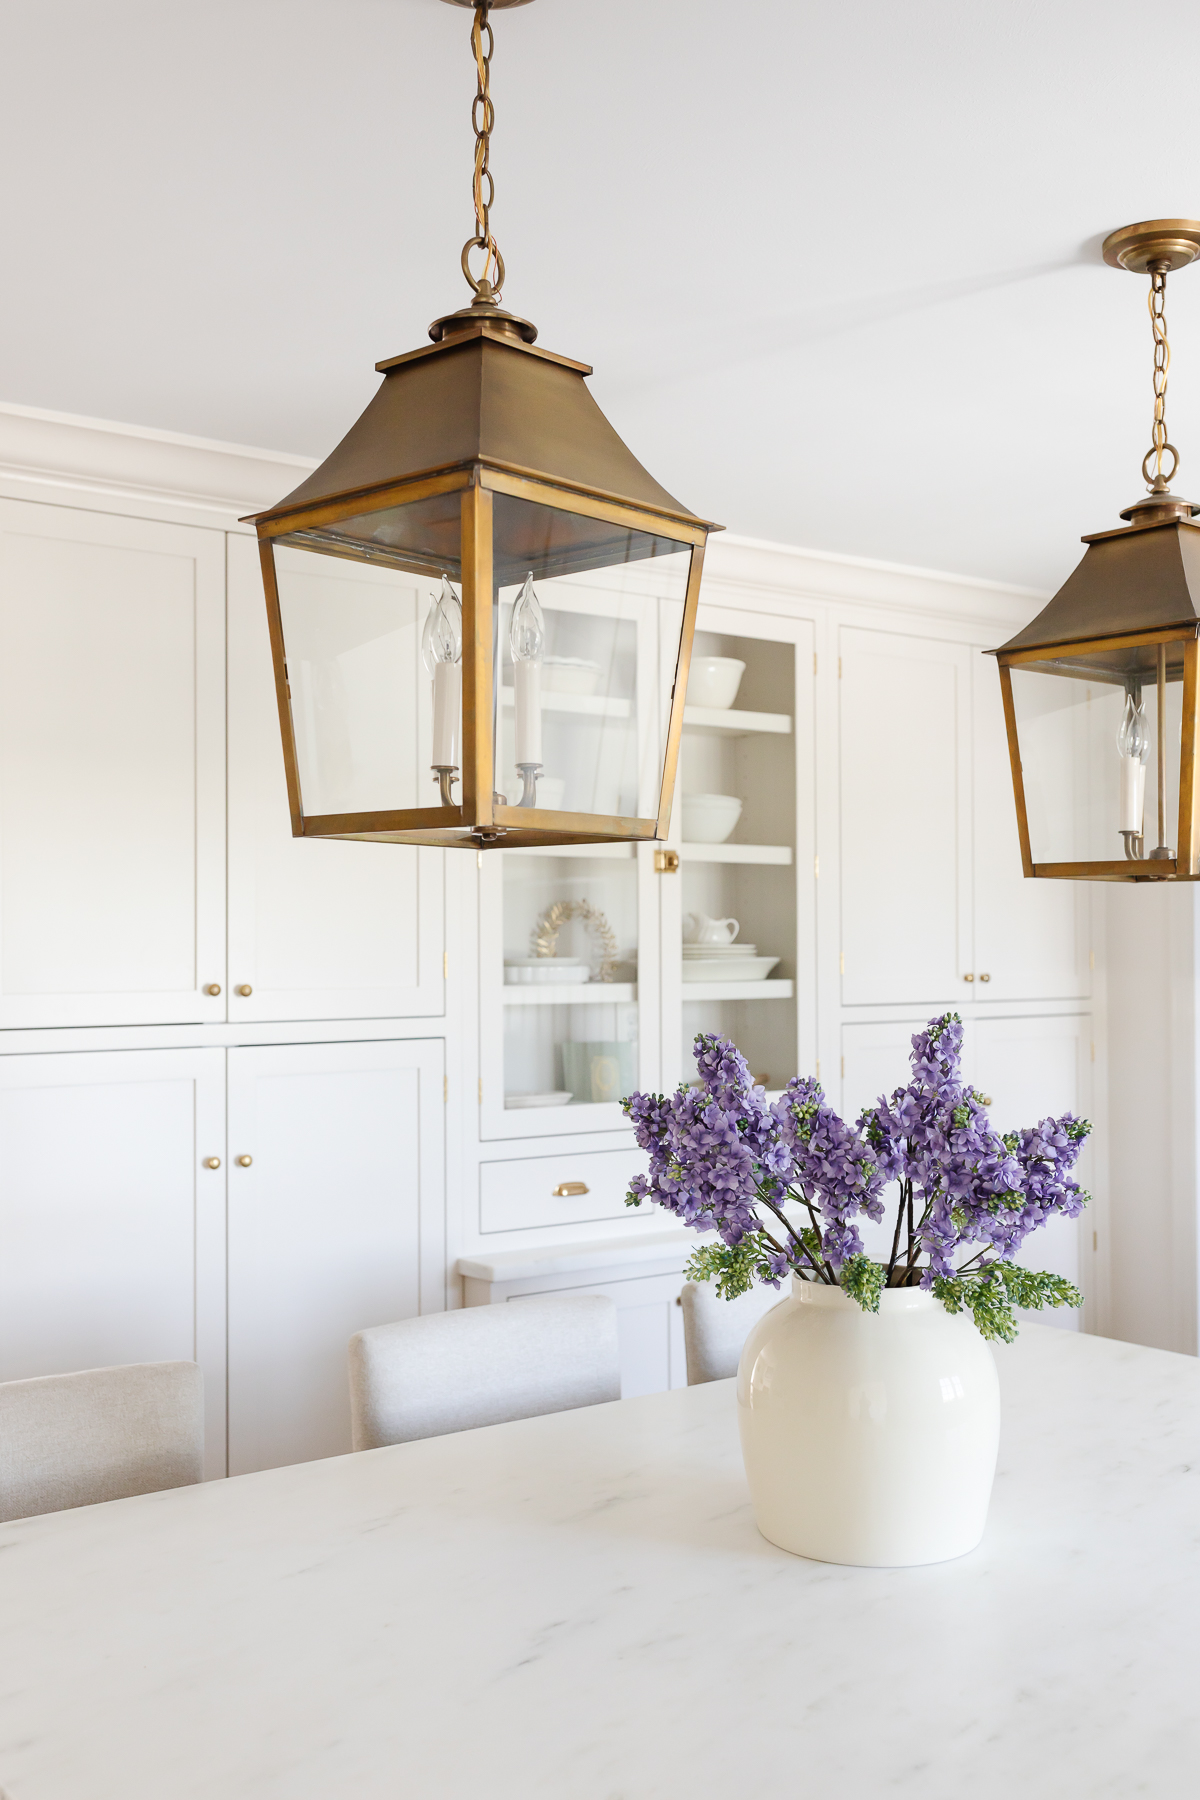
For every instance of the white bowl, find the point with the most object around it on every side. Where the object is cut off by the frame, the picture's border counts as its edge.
(727, 968)
(714, 680)
(540, 969)
(519, 1100)
(569, 675)
(709, 818)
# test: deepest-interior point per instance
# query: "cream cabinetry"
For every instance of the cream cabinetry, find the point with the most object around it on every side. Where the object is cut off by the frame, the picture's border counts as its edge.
(121, 1242)
(335, 1217)
(112, 769)
(112, 1230)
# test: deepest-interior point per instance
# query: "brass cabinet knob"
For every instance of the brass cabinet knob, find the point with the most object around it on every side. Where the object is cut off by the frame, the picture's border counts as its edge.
(985, 978)
(212, 1162)
(213, 988)
(984, 1099)
(968, 978)
(666, 862)
(245, 990)
(566, 1190)
(243, 1162)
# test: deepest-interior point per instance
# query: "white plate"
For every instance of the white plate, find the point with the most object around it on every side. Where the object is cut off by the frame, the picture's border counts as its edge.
(725, 968)
(518, 1100)
(720, 949)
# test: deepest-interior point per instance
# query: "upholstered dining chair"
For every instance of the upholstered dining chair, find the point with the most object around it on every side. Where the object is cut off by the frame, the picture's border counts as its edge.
(101, 1434)
(714, 1330)
(481, 1366)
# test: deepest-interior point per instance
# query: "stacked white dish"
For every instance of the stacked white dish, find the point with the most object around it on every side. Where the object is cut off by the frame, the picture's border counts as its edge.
(725, 962)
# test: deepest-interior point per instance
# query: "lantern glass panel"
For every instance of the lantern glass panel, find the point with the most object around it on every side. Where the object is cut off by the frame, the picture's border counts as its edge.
(360, 712)
(1087, 731)
(576, 694)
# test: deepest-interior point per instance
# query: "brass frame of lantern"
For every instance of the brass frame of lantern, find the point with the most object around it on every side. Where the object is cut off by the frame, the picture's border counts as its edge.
(1142, 582)
(449, 418)
(478, 820)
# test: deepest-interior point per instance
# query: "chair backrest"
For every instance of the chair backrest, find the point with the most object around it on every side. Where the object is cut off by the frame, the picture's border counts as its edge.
(481, 1366)
(714, 1330)
(103, 1434)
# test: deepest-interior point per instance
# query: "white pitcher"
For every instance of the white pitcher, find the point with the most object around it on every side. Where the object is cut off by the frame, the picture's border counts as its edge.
(698, 928)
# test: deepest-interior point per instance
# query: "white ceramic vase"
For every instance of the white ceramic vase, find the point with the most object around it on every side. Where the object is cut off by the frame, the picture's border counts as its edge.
(868, 1438)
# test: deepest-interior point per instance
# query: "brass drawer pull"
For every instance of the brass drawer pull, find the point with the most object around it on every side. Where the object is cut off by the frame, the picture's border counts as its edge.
(243, 1162)
(213, 988)
(212, 1162)
(566, 1190)
(245, 990)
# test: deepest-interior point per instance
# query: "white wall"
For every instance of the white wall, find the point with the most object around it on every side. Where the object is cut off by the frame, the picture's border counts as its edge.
(1152, 963)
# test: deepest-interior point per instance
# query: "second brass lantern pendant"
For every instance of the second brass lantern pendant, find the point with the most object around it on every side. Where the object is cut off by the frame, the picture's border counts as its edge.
(464, 598)
(1101, 691)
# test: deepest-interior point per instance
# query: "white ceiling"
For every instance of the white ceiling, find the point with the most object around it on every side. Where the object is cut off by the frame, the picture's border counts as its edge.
(837, 267)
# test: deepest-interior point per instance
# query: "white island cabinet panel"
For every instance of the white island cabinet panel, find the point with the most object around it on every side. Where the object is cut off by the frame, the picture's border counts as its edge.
(905, 820)
(1032, 938)
(112, 770)
(111, 1225)
(1033, 1069)
(331, 1224)
(318, 930)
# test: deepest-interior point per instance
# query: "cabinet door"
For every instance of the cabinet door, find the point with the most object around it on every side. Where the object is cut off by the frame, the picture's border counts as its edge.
(111, 1229)
(316, 930)
(330, 1228)
(1032, 1068)
(905, 818)
(112, 769)
(1032, 938)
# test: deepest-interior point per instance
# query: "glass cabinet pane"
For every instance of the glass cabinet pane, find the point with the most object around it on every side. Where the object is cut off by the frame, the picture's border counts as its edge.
(570, 979)
(735, 821)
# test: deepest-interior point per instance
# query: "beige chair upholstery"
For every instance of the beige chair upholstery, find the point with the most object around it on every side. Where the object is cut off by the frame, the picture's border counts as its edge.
(70, 1440)
(481, 1366)
(714, 1330)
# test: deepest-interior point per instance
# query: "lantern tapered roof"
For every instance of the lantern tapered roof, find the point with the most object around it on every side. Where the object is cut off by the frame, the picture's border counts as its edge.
(484, 394)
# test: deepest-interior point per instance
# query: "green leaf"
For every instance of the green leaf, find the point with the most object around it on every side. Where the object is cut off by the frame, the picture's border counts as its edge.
(734, 1267)
(862, 1279)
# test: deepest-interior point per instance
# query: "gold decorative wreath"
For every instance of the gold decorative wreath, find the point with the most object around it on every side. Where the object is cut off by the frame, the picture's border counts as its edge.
(545, 933)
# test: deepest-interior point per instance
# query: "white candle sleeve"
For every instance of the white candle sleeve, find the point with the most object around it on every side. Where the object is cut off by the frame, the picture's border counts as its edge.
(1133, 793)
(447, 711)
(527, 680)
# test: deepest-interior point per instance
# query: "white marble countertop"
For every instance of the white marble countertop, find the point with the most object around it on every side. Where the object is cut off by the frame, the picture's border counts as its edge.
(579, 1607)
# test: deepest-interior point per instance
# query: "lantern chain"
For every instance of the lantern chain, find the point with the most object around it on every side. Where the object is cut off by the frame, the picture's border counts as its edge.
(483, 118)
(1160, 443)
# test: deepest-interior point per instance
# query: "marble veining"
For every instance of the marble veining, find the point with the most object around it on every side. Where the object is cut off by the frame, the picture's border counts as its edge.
(579, 1606)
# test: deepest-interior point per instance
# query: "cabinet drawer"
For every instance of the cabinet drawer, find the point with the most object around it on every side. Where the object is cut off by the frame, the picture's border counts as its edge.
(525, 1192)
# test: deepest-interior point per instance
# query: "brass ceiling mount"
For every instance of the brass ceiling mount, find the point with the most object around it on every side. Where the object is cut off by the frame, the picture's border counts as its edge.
(493, 5)
(1154, 244)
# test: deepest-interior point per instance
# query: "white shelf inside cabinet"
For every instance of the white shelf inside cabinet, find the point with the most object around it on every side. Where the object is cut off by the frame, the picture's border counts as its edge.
(735, 990)
(597, 852)
(779, 854)
(728, 723)
(579, 706)
(570, 993)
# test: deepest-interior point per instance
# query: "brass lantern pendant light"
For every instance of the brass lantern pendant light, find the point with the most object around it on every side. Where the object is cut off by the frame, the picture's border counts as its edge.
(466, 598)
(1101, 695)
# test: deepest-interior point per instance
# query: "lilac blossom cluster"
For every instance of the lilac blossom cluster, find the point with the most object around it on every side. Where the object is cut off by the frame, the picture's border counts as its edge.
(785, 1185)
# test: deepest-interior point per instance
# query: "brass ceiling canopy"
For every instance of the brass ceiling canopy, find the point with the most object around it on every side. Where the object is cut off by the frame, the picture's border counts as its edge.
(1109, 672)
(482, 465)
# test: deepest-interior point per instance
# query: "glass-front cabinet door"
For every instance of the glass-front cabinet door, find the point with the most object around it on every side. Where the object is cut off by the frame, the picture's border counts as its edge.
(738, 915)
(568, 933)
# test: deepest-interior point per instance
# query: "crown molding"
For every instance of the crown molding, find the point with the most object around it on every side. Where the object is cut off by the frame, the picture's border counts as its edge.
(74, 460)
